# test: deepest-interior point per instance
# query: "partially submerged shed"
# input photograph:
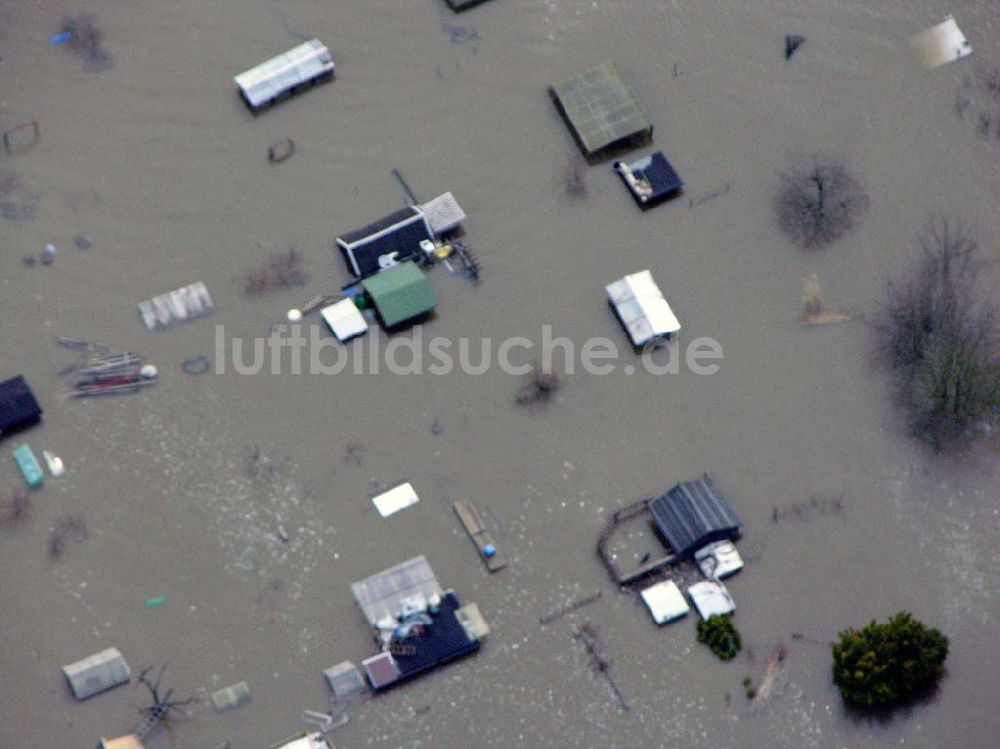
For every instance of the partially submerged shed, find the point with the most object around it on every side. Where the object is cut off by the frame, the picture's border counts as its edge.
(694, 514)
(383, 596)
(380, 244)
(97, 673)
(641, 308)
(18, 406)
(400, 294)
(651, 180)
(601, 111)
(286, 74)
(397, 237)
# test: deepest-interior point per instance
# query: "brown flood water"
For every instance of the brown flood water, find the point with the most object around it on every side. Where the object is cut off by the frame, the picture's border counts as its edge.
(159, 163)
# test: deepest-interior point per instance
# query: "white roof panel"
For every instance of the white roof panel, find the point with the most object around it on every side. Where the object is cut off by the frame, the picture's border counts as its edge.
(345, 319)
(642, 308)
(711, 599)
(941, 44)
(665, 602)
(396, 499)
(270, 79)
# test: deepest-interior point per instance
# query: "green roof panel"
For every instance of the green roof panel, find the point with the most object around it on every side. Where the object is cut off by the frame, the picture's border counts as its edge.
(400, 293)
(600, 107)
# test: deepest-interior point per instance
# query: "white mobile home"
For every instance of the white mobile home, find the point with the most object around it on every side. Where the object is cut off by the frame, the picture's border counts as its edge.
(285, 74)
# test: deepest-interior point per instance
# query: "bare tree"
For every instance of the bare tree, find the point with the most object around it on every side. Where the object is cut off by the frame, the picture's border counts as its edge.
(940, 336)
(819, 201)
(978, 101)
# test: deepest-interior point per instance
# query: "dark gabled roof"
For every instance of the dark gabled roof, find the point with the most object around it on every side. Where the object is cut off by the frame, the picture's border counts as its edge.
(397, 217)
(662, 176)
(400, 232)
(693, 514)
(18, 407)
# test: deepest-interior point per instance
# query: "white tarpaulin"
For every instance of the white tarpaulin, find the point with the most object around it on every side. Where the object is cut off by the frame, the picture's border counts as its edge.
(941, 44)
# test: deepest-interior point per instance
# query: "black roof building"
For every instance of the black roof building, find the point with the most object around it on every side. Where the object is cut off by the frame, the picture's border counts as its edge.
(18, 407)
(694, 514)
(400, 232)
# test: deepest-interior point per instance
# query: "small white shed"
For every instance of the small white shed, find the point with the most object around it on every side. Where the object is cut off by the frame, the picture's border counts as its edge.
(640, 306)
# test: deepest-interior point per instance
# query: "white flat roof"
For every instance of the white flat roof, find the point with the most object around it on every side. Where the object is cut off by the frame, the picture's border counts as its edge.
(345, 319)
(642, 308)
(711, 599)
(941, 44)
(665, 602)
(396, 499)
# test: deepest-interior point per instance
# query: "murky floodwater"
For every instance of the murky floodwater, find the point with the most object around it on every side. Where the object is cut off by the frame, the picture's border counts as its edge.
(157, 161)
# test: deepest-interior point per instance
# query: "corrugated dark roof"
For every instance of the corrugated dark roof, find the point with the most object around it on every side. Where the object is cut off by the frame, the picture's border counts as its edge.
(18, 406)
(693, 514)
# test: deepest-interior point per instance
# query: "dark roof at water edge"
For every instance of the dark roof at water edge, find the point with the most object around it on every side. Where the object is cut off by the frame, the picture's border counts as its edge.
(693, 514)
(18, 407)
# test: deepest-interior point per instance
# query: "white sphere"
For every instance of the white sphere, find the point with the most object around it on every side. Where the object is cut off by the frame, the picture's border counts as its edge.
(149, 371)
(294, 315)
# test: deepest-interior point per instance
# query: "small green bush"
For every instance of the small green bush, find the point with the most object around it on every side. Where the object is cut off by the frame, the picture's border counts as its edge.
(719, 633)
(885, 664)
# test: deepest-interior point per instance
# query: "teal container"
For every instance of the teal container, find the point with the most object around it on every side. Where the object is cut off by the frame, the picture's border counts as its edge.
(28, 463)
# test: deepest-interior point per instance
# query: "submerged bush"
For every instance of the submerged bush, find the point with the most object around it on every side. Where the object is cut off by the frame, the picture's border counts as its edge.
(939, 336)
(885, 664)
(719, 633)
(819, 201)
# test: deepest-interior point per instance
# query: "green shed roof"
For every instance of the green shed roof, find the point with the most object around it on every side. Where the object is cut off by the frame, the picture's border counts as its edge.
(400, 293)
(600, 107)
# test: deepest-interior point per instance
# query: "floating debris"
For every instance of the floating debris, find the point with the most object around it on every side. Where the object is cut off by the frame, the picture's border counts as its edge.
(21, 137)
(97, 673)
(231, 697)
(82, 242)
(812, 298)
(83, 37)
(459, 34)
(481, 537)
(186, 303)
(537, 386)
(804, 510)
(196, 365)
(29, 466)
(792, 44)
(155, 602)
(281, 151)
(66, 528)
(15, 508)
(54, 463)
(104, 372)
(587, 635)
(773, 678)
(569, 609)
(282, 270)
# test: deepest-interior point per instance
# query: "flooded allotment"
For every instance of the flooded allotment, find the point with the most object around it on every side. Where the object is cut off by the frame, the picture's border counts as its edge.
(536, 373)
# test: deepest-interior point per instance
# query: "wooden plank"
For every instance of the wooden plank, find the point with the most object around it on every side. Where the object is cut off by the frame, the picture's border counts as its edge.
(482, 538)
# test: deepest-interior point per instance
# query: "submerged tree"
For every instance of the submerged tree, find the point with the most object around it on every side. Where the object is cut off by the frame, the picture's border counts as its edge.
(819, 201)
(886, 664)
(939, 336)
(720, 634)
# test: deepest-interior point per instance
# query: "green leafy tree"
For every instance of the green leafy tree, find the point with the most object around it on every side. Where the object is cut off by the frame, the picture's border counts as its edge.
(885, 664)
(719, 633)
